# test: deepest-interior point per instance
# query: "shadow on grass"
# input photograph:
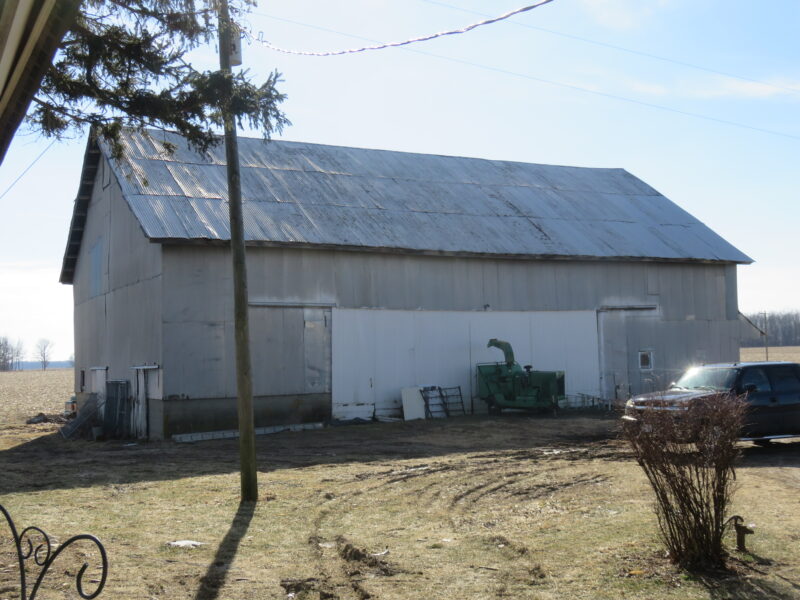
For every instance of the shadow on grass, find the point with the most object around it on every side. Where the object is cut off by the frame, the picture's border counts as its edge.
(784, 453)
(212, 582)
(749, 588)
(746, 579)
(49, 462)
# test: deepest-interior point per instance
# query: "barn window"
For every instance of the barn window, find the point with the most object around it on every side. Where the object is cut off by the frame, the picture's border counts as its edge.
(83, 379)
(646, 360)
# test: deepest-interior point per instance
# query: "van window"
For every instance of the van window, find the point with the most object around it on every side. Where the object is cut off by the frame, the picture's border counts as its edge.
(784, 378)
(756, 377)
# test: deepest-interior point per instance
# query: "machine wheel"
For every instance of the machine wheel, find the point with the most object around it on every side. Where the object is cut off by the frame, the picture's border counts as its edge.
(494, 409)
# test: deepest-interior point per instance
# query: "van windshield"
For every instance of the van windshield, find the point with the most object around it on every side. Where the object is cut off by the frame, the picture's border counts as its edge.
(705, 378)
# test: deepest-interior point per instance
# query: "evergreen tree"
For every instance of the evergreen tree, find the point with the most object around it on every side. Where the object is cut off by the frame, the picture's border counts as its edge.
(123, 64)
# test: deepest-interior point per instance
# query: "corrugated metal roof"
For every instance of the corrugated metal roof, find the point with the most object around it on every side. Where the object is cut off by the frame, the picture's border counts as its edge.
(315, 195)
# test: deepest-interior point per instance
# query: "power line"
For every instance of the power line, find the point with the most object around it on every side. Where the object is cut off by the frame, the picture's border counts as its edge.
(28, 168)
(260, 39)
(623, 49)
(555, 83)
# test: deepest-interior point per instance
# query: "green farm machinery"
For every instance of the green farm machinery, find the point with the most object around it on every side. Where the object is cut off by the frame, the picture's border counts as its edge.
(507, 385)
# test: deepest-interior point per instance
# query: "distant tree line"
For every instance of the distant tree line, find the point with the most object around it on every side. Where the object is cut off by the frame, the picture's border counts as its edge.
(11, 354)
(783, 329)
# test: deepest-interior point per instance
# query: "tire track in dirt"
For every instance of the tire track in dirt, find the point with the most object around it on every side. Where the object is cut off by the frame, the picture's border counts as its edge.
(490, 474)
(343, 568)
(342, 565)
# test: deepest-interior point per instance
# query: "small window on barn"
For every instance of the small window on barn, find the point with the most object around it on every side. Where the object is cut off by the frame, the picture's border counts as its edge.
(646, 360)
(83, 380)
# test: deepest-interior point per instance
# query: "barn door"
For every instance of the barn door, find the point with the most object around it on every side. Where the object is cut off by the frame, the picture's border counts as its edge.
(379, 352)
(621, 331)
(291, 349)
(614, 377)
(317, 350)
(117, 415)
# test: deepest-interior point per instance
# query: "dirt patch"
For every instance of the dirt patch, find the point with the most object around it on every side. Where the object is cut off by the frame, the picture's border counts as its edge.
(364, 559)
(652, 564)
(310, 588)
(501, 541)
(58, 419)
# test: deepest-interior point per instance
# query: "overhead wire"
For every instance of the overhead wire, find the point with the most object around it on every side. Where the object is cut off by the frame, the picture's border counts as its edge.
(553, 83)
(260, 38)
(28, 168)
(623, 49)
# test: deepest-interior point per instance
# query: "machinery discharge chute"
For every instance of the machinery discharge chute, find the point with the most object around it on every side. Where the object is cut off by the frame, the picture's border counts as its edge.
(507, 385)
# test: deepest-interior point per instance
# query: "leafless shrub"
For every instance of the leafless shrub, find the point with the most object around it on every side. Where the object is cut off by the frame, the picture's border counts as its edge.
(44, 349)
(688, 457)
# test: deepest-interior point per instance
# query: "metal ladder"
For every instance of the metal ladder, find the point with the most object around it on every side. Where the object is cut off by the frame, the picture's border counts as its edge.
(453, 401)
(435, 407)
(84, 416)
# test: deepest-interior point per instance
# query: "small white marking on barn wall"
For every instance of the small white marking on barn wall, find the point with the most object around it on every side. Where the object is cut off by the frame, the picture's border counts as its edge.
(98, 386)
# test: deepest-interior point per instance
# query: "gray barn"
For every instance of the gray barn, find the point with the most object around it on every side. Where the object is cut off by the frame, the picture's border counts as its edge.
(370, 271)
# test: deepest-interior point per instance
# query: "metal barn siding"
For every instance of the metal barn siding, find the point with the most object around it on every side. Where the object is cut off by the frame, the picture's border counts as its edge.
(118, 315)
(287, 285)
(290, 345)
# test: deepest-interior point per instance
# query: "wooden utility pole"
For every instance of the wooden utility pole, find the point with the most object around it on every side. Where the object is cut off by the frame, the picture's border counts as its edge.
(244, 381)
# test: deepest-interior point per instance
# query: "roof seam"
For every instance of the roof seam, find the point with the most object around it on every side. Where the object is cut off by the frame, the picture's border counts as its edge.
(453, 253)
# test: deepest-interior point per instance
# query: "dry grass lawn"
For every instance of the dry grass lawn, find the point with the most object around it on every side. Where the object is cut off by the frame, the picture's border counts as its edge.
(503, 507)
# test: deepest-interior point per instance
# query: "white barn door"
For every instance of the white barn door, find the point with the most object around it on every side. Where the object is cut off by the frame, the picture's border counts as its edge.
(378, 352)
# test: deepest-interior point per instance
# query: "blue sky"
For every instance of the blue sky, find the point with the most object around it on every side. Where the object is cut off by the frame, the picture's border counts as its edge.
(506, 91)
